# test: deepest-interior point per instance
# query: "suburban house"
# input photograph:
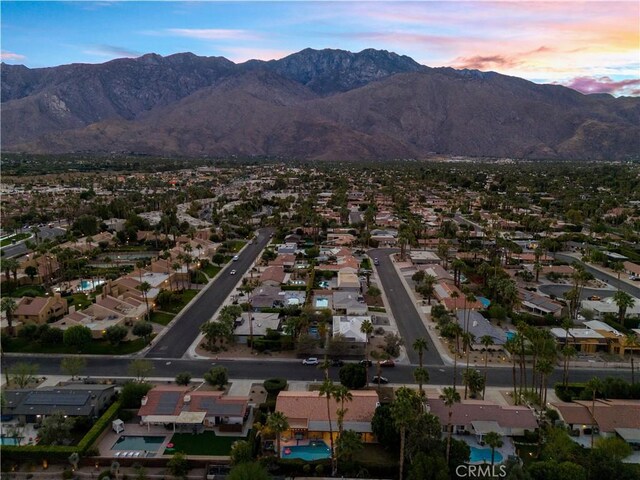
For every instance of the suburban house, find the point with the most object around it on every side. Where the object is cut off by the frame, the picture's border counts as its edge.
(31, 406)
(348, 303)
(261, 323)
(348, 281)
(39, 310)
(349, 327)
(597, 336)
(307, 414)
(273, 276)
(480, 417)
(424, 257)
(453, 299)
(479, 326)
(194, 411)
(608, 305)
(612, 417)
(538, 304)
(107, 312)
(46, 265)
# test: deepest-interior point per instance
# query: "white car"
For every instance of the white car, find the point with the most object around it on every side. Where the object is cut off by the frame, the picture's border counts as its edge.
(232, 272)
(311, 361)
(236, 258)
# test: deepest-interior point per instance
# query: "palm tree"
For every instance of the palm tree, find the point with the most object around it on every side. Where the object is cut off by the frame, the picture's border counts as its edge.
(277, 422)
(404, 410)
(8, 306)
(594, 385)
(624, 301)
(427, 287)
(473, 381)
(486, 341)
(144, 287)
(467, 340)
(367, 328)
(494, 440)
(450, 397)
(568, 352)
(617, 267)
(457, 330)
(545, 367)
(9, 265)
(342, 394)
(420, 345)
(631, 342)
(175, 266)
(421, 375)
(326, 389)
(511, 346)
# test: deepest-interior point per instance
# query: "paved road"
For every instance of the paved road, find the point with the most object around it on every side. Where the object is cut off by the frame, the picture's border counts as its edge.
(403, 309)
(559, 289)
(293, 370)
(175, 342)
(21, 248)
(611, 279)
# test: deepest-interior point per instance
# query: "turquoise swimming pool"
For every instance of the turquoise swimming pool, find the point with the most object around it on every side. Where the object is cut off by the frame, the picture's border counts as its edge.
(9, 441)
(316, 450)
(510, 335)
(322, 302)
(149, 443)
(89, 285)
(484, 301)
(480, 455)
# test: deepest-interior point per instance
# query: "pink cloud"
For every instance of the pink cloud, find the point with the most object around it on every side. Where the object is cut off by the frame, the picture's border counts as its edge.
(242, 54)
(10, 56)
(480, 62)
(604, 85)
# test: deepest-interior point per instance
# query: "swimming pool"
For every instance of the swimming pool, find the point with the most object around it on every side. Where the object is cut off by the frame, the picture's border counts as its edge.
(323, 284)
(9, 441)
(322, 302)
(484, 301)
(151, 444)
(316, 450)
(479, 455)
(510, 335)
(89, 285)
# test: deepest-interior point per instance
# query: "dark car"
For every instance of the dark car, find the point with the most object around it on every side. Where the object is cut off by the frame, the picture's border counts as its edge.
(379, 379)
(388, 363)
(336, 362)
(376, 261)
(366, 363)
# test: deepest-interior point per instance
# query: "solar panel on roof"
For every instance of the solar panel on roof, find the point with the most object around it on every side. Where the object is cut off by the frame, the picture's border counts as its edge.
(167, 403)
(57, 398)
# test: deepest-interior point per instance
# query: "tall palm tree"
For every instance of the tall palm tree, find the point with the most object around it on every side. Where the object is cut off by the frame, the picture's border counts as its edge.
(326, 390)
(568, 352)
(404, 410)
(342, 394)
(8, 306)
(473, 381)
(624, 301)
(277, 422)
(144, 287)
(421, 375)
(486, 341)
(594, 385)
(457, 330)
(467, 340)
(511, 346)
(420, 345)
(450, 397)
(494, 440)
(9, 265)
(545, 367)
(175, 266)
(631, 342)
(367, 328)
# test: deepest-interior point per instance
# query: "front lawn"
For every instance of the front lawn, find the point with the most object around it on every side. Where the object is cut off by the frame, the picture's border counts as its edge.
(206, 443)
(26, 291)
(187, 296)
(211, 270)
(235, 245)
(161, 318)
(14, 238)
(96, 347)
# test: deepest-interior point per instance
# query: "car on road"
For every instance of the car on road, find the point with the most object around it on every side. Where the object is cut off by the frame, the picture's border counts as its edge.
(311, 361)
(366, 363)
(379, 379)
(336, 362)
(634, 278)
(236, 258)
(232, 272)
(376, 261)
(388, 363)
(594, 297)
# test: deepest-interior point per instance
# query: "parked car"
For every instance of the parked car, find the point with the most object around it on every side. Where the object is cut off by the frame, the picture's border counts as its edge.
(366, 363)
(594, 297)
(311, 361)
(232, 272)
(336, 362)
(376, 261)
(379, 379)
(388, 363)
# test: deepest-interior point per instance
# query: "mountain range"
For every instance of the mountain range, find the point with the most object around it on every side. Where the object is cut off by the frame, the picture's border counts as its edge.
(314, 104)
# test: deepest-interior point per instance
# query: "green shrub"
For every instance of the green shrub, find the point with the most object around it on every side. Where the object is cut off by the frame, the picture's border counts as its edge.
(275, 385)
(103, 422)
(132, 393)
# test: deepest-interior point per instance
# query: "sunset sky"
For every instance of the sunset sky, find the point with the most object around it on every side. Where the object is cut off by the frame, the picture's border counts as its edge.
(589, 46)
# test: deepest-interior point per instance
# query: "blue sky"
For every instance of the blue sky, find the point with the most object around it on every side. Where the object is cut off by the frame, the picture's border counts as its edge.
(590, 46)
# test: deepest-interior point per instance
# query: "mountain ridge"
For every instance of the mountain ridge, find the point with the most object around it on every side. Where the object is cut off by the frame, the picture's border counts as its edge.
(316, 104)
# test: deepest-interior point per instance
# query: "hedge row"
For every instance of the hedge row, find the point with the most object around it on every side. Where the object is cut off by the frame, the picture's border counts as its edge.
(59, 453)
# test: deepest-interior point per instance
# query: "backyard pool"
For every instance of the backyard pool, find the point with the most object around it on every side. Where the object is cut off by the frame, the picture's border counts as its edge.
(484, 301)
(151, 444)
(322, 302)
(509, 334)
(89, 285)
(316, 450)
(9, 441)
(479, 455)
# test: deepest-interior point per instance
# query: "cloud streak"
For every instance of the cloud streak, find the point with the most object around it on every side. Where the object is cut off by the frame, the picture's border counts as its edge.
(6, 56)
(214, 33)
(111, 51)
(604, 85)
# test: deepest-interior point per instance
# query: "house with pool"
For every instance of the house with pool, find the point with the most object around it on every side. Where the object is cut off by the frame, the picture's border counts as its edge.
(309, 423)
(183, 409)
